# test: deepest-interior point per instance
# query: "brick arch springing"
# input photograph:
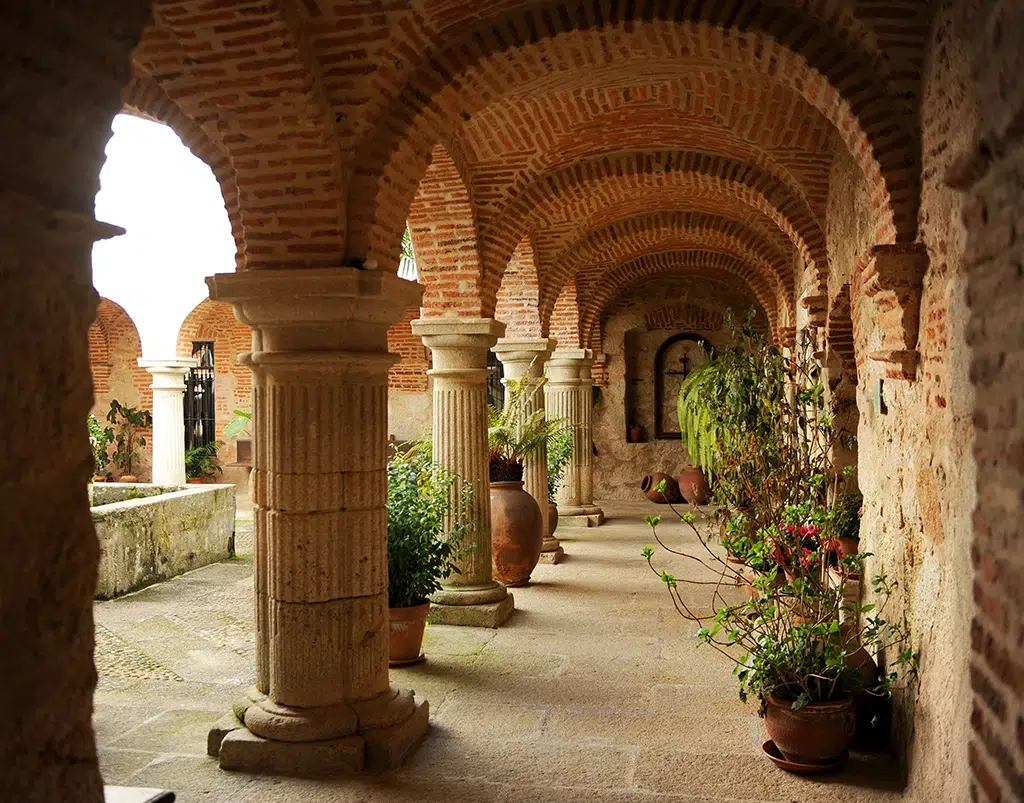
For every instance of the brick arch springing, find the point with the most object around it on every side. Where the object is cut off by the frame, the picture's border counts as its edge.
(625, 239)
(529, 46)
(267, 107)
(587, 185)
(518, 302)
(442, 223)
(565, 318)
(602, 291)
(145, 97)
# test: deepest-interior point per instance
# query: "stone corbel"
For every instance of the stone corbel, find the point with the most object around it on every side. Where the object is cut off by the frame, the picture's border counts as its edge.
(892, 280)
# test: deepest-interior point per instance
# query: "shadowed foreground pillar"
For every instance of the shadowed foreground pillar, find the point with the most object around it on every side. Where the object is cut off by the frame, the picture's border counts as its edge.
(526, 357)
(569, 396)
(459, 348)
(168, 418)
(322, 701)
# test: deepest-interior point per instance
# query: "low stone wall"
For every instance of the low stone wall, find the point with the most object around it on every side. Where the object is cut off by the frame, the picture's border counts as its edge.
(149, 533)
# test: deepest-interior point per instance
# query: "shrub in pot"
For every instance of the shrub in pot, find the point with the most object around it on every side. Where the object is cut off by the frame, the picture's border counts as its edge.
(514, 434)
(202, 463)
(798, 642)
(559, 451)
(125, 424)
(99, 440)
(425, 540)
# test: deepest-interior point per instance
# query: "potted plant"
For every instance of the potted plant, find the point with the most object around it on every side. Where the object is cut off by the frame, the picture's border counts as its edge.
(800, 644)
(513, 434)
(427, 522)
(125, 425)
(99, 441)
(559, 451)
(202, 463)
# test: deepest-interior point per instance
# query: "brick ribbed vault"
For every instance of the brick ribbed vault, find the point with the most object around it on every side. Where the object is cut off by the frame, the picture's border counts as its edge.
(558, 45)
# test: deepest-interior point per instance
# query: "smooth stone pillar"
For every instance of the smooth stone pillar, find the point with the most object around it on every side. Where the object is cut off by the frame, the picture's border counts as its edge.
(569, 396)
(459, 348)
(322, 701)
(168, 418)
(526, 358)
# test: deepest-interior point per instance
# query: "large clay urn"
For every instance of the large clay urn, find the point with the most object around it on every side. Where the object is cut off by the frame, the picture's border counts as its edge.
(517, 533)
(693, 485)
(815, 734)
(552, 517)
(406, 637)
(650, 483)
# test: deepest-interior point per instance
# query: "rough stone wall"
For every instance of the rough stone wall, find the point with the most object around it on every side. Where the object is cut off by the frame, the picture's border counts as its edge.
(114, 351)
(216, 321)
(915, 465)
(989, 169)
(638, 320)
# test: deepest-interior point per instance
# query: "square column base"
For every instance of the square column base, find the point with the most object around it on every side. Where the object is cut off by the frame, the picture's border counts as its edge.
(490, 614)
(552, 557)
(581, 519)
(372, 750)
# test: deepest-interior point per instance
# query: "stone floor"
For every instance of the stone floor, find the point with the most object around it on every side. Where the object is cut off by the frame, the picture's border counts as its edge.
(594, 691)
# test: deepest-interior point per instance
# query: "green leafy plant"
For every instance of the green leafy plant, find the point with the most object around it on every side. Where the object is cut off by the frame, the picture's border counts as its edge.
(514, 432)
(239, 425)
(844, 517)
(781, 506)
(125, 425)
(99, 441)
(560, 444)
(429, 513)
(201, 462)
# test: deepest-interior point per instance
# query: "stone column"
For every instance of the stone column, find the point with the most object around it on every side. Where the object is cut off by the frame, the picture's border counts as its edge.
(569, 397)
(322, 701)
(459, 347)
(526, 357)
(168, 418)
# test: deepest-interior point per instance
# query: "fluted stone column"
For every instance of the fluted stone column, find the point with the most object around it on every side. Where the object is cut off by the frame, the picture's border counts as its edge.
(322, 701)
(520, 358)
(569, 396)
(168, 418)
(459, 348)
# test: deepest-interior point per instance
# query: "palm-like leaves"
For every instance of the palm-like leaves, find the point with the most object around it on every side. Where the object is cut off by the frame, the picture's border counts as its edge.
(513, 433)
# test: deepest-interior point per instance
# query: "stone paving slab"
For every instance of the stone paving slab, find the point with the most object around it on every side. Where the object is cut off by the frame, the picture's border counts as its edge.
(594, 691)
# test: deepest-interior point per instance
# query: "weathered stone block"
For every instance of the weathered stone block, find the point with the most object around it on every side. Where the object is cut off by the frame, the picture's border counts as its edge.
(485, 615)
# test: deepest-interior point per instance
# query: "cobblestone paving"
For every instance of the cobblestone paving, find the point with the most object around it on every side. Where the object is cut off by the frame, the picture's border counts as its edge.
(593, 691)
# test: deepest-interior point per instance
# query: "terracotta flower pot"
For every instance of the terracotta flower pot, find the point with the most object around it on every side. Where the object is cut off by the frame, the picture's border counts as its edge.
(406, 639)
(194, 480)
(127, 478)
(516, 533)
(848, 547)
(815, 734)
(552, 517)
(649, 484)
(637, 434)
(693, 486)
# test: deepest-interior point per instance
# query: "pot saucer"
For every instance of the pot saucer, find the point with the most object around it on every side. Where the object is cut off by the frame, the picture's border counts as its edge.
(408, 661)
(773, 753)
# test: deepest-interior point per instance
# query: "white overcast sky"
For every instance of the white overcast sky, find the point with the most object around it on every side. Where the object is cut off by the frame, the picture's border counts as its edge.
(177, 230)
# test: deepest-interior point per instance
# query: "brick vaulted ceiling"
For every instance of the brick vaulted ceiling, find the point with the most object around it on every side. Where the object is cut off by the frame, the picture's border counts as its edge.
(598, 143)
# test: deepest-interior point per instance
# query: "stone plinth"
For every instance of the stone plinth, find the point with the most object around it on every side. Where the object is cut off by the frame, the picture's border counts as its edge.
(459, 347)
(569, 396)
(168, 418)
(322, 701)
(526, 358)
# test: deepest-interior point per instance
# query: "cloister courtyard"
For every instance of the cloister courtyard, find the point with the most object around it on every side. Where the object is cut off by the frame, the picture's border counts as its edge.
(594, 690)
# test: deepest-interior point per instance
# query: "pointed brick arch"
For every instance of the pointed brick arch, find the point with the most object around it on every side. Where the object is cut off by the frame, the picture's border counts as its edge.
(624, 240)
(587, 185)
(606, 287)
(443, 227)
(533, 46)
(518, 304)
